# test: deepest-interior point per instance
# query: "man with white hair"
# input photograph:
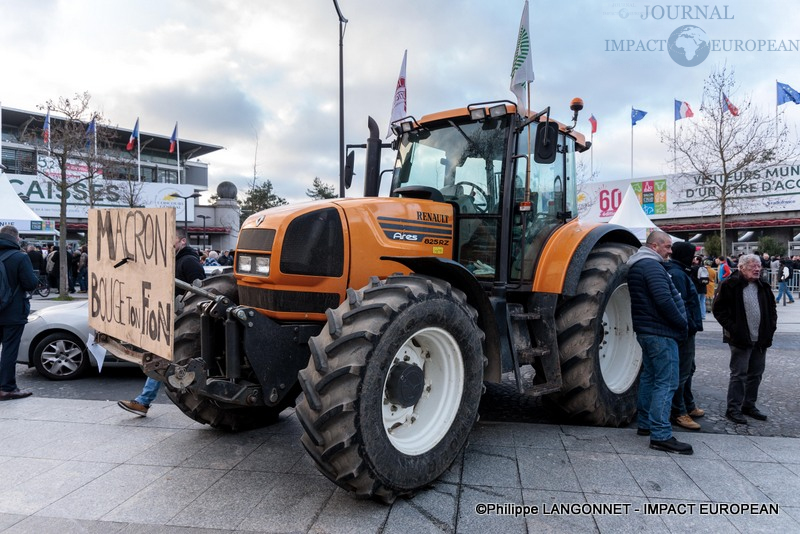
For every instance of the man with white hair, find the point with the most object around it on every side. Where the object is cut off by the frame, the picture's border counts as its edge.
(746, 309)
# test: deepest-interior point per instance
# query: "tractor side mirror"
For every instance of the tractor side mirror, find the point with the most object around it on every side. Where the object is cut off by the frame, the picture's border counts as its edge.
(348, 169)
(546, 143)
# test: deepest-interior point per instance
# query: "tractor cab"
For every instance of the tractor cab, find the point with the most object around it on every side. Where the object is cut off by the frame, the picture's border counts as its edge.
(510, 180)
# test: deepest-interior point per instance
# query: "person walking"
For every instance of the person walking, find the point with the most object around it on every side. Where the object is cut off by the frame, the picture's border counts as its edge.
(659, 321)
(700, 277)
(187, 269)
(748, 314)
(681, 270)
(784, 277)
(21, 278)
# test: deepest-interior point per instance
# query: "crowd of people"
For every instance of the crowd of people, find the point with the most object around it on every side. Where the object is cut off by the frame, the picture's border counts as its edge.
(671, 289)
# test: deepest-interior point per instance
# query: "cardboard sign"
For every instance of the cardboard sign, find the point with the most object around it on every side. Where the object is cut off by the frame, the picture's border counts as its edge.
(132, 276)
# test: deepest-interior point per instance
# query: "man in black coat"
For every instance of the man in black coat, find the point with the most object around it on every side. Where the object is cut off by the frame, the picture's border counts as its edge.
(37, 260)
(746, 309)
(14, 316)
(187, 262)
(659, 320)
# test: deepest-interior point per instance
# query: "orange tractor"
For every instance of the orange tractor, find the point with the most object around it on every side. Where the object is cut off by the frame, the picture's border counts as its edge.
(387, 315)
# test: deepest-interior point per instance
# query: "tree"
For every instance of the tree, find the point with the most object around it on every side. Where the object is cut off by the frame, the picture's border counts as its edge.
(76, 155)
(713, 246)
(771, 246)
(721, 154)
(320, 190)
(259, 197)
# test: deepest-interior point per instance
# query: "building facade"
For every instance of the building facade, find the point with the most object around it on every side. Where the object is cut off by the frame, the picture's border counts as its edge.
(151, 175)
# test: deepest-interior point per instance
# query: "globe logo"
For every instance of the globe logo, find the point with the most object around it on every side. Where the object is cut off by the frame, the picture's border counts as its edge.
(688, 46)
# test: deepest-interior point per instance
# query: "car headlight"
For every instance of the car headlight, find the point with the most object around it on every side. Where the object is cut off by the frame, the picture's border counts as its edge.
(33, 316)
(262, 265)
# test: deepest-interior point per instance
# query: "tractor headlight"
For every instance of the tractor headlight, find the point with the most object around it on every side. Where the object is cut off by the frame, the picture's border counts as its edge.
(252, 264)
(262, 265)
(245, 263)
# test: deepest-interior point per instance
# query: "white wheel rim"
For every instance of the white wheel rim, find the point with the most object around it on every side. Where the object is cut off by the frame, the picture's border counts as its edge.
(619, 353)
(417, 429)
(62, 357)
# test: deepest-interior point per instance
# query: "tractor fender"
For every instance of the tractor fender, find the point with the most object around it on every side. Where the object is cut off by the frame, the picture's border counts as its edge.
(562, 259)
(460, 277)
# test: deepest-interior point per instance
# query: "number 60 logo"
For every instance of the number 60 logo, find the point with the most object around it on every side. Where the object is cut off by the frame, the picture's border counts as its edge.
(610, 200)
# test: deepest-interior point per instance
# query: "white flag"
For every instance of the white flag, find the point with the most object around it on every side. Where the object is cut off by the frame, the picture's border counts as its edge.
(522, 69)
(399, 103)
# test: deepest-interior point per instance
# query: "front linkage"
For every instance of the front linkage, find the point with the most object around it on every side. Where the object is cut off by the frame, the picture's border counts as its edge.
(245, 358)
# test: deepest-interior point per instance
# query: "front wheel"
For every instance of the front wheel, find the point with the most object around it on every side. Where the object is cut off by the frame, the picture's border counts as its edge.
(600, 357)
(393, 386)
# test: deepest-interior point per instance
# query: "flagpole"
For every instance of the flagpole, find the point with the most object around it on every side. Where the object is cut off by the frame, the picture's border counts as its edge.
(591, 156)
(94, 132)
(675, 147)
(527, 195)
(632, 150)
(138, 153)
(178, 150)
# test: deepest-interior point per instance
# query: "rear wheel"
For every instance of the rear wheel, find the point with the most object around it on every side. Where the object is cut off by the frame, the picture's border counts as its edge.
(187, 346)
(600, 357)
(393, 385)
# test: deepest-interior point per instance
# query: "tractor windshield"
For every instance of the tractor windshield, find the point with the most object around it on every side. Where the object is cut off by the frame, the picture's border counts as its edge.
(461, 162)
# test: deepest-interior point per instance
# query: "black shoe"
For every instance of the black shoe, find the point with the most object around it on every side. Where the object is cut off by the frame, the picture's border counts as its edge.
(755, 413)
(671, 445)
(13, 395)
(643, 431)
(736, 418)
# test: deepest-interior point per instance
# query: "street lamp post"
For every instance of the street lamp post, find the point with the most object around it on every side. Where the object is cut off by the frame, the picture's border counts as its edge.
(205, 218)
(185, 210)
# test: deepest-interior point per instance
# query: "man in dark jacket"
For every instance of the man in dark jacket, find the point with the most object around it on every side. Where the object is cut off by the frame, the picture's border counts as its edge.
(21, 278)
(745, 307)
(187, 262)
(659, 320)
(680, 269)
(188, 269)
(37, 260)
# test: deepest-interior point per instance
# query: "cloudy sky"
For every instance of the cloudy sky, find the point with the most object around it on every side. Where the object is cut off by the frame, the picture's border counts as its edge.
(260, 77)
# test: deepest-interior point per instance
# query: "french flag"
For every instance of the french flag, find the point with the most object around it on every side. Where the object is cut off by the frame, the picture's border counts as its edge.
(682, 110)
(173, 141)
(728, 106)
(46, 127)
(134, 136)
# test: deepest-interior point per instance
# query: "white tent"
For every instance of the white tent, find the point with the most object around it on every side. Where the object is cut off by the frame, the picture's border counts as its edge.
(14, 211)
(631, 215)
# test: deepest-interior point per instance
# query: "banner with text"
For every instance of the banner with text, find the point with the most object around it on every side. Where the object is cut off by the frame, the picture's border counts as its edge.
(132, 276)
(776, 189)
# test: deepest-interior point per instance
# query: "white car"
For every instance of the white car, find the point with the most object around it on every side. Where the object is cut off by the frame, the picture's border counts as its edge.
(54, 341)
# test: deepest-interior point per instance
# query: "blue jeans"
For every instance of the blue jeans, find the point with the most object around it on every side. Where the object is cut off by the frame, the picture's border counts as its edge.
(683, 400)
(702, 298)
(657, 384)
(783, 289)
(149, 392)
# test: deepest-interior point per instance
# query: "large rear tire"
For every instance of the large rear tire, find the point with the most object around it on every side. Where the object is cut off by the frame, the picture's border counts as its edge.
(600, 357)
(187, 346)
(393, 385)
